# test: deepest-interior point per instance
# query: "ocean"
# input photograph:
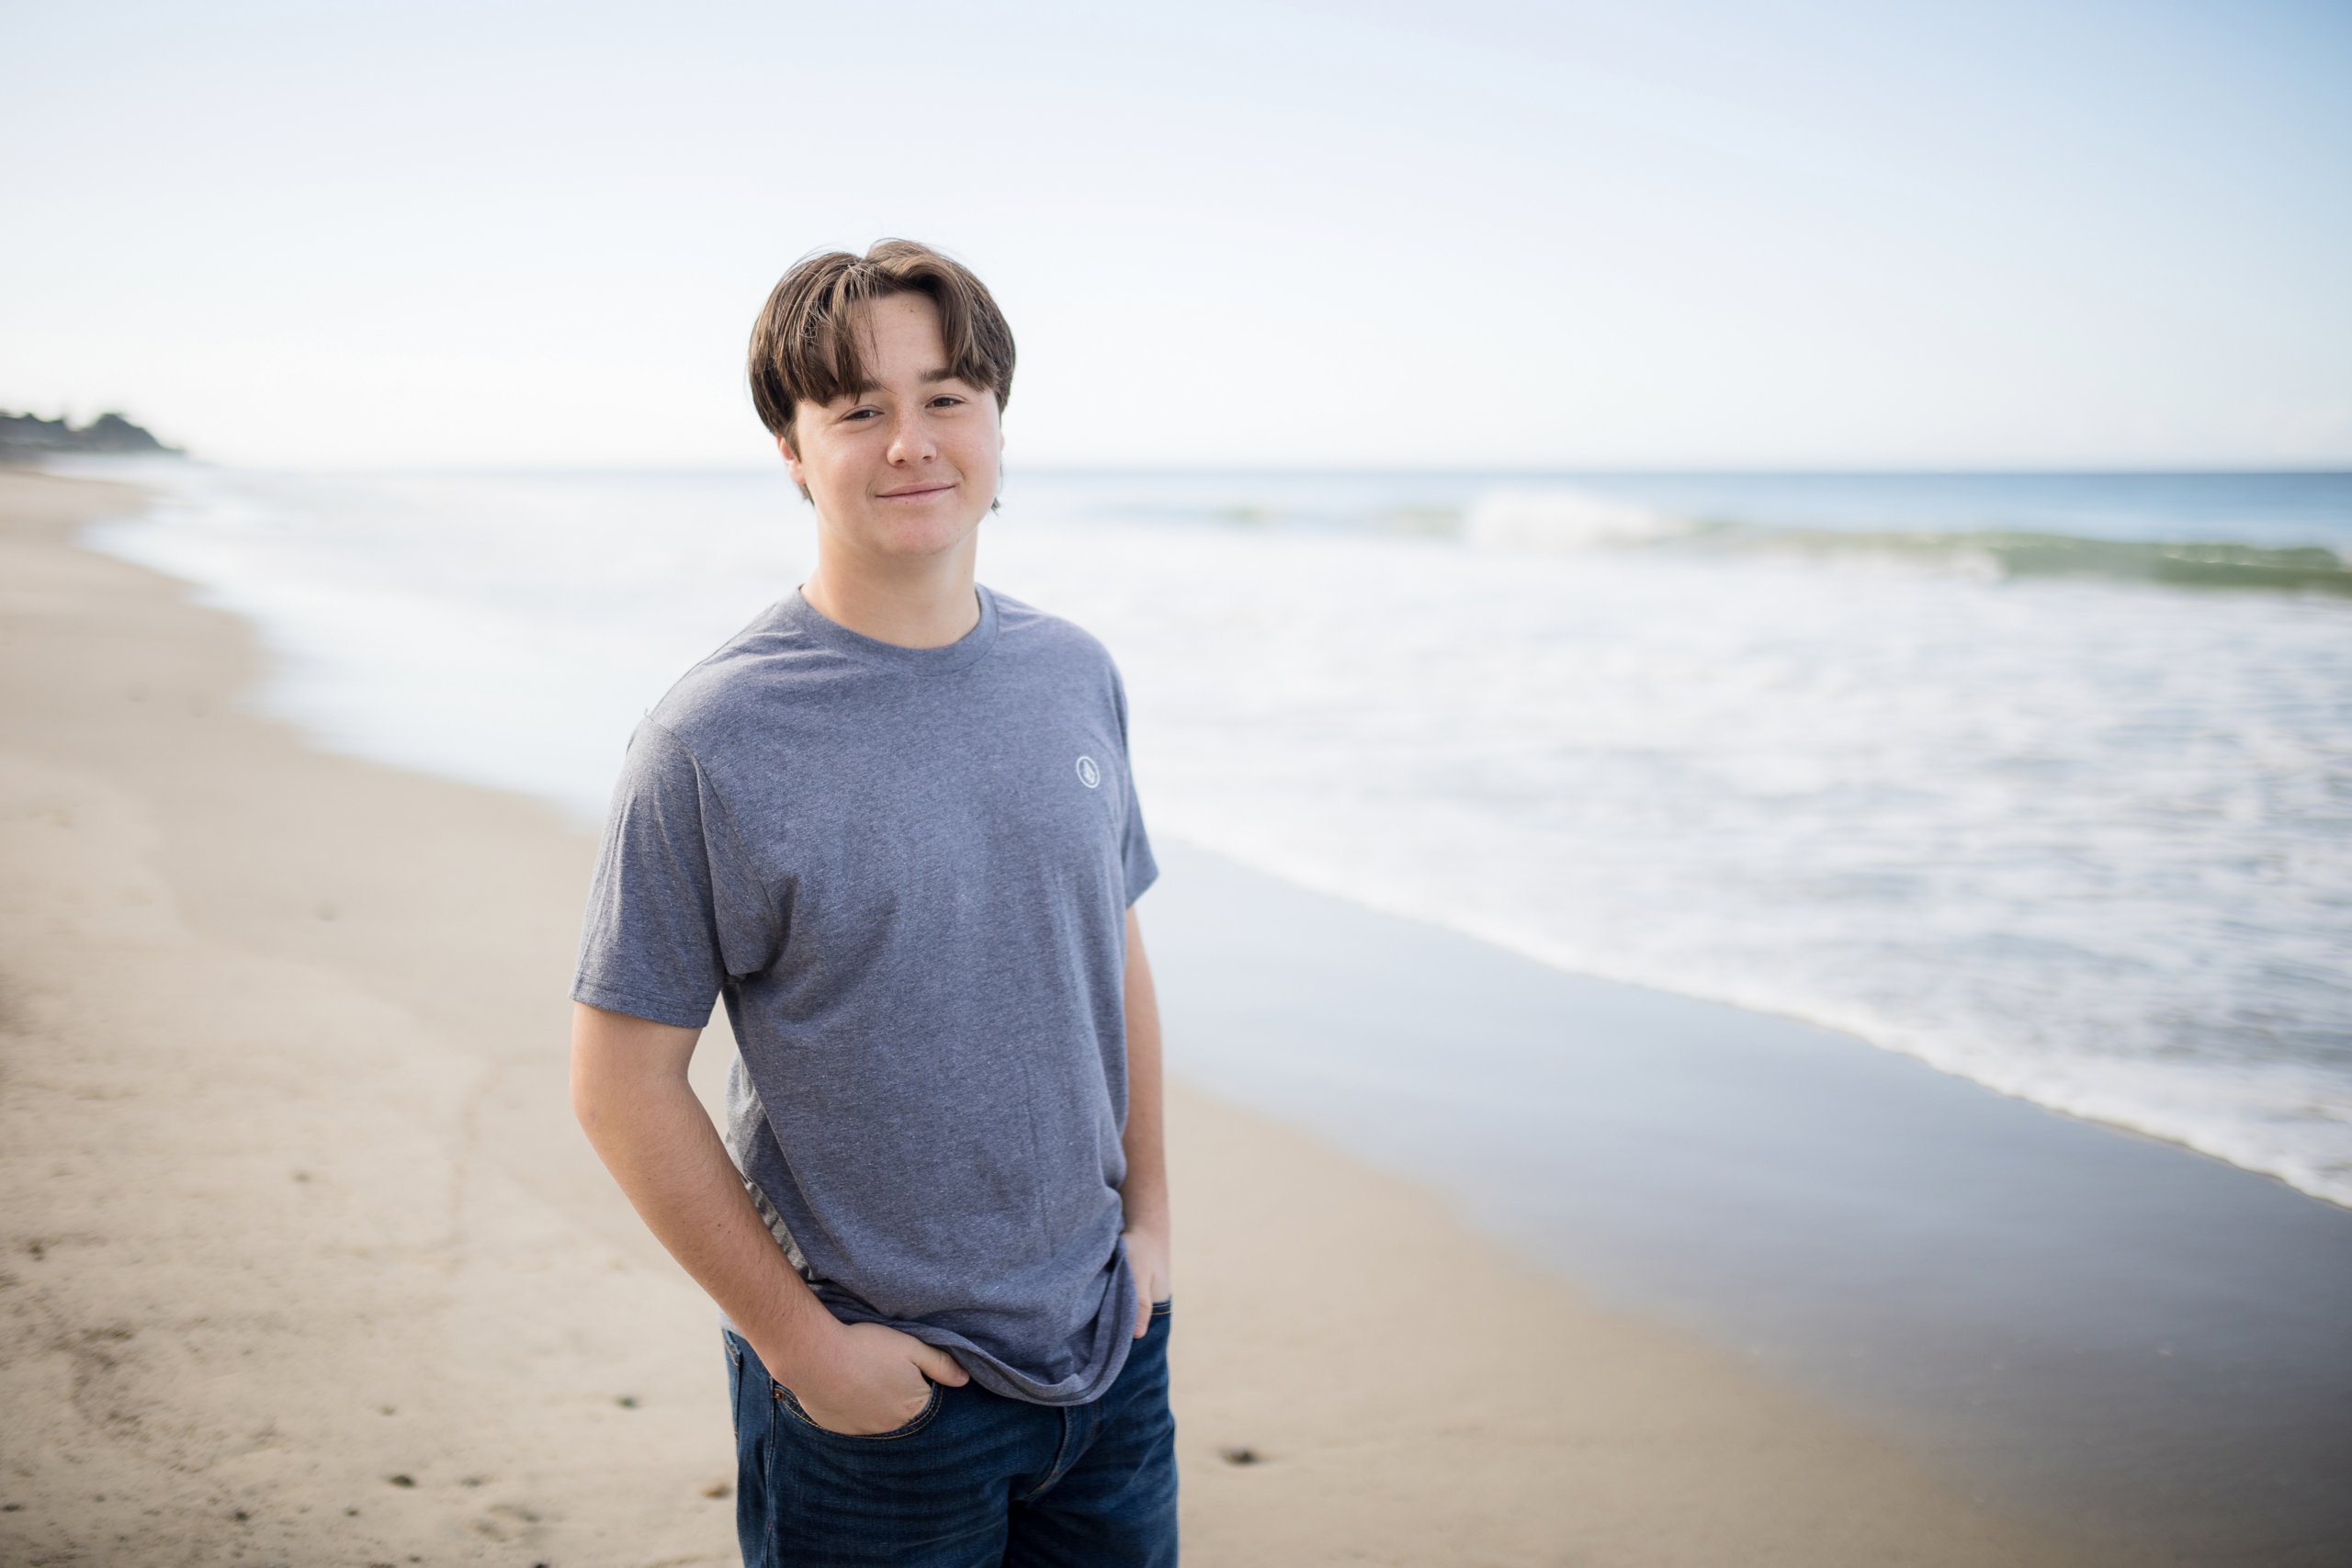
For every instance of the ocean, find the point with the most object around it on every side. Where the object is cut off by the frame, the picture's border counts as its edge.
(2043, 779)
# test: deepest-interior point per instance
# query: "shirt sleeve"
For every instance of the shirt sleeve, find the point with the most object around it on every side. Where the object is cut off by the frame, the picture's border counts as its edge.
(1135, 844)
(676, 907)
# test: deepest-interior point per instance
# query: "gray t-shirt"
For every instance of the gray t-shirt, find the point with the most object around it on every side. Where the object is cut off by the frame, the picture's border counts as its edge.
(907, 871)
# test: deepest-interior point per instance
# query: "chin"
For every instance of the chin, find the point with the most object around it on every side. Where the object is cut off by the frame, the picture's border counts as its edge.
(929, 538)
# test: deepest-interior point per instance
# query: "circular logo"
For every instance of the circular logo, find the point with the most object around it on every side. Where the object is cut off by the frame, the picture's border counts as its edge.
(1088, 773)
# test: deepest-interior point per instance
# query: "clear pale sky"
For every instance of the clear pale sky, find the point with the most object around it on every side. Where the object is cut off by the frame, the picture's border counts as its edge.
(1407, 233)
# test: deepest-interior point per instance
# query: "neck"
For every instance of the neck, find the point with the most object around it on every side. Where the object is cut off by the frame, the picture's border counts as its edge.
(923, 602)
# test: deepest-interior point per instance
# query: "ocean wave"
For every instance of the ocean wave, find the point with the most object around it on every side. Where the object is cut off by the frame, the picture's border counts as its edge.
(2008, 554)
(1575, 519)
(1568, 520)
(1563, 522)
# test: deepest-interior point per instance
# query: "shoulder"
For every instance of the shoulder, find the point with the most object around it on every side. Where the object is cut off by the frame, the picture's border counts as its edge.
(1030, 633)
(740, 681)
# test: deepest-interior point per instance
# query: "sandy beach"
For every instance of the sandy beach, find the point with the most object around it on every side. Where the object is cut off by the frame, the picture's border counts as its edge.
(306, 1263)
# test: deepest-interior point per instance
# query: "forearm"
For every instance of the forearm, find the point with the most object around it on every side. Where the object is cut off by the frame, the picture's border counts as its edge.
(1144, 1194)
(630, 1090)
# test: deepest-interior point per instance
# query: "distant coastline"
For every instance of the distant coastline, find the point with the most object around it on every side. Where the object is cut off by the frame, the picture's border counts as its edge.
(25, 434)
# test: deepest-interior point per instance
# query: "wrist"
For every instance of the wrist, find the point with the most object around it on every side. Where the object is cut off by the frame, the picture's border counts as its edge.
(794, 1338)
(1147, 1244)
(1143, 1206)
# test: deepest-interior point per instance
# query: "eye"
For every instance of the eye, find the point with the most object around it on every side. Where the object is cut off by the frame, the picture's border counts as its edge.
(945, 400)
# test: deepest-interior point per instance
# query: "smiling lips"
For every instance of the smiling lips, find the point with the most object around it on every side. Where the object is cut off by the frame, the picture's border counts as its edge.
(917, 492)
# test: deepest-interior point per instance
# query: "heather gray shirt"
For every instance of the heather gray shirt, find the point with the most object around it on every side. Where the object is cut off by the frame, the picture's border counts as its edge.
(907, 871)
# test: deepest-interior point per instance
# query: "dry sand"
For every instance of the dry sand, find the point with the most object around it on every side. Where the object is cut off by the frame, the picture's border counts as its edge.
(306, 1263)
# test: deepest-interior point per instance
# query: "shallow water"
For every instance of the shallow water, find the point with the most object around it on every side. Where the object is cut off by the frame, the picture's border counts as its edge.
(1806, 745)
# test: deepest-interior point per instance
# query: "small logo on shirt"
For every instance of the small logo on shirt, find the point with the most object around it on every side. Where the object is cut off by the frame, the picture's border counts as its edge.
(1088, 773)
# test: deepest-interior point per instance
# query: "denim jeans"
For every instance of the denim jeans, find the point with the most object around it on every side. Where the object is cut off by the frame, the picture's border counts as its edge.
(976, 1480)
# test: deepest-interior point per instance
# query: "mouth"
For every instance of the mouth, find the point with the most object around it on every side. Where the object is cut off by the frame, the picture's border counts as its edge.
(913, 492)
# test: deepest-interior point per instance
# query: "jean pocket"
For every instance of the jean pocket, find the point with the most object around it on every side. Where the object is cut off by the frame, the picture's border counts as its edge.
(923, 1417)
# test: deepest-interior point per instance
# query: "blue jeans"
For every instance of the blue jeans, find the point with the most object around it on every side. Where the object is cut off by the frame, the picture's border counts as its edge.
(976, 1481)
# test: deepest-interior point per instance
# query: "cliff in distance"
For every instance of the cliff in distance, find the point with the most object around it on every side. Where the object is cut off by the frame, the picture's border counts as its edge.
(23, 435)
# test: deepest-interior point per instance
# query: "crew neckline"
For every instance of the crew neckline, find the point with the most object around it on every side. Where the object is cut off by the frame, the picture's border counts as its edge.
(961, 654)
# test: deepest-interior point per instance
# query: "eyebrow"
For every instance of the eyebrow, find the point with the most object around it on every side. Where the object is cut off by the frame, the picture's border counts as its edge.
(927, 379)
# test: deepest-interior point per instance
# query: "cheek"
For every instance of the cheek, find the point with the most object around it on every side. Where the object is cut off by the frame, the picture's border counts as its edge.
(832, 471)
(981, 448)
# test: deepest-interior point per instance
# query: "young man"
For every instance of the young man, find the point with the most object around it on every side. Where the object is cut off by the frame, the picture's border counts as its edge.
(891, 824)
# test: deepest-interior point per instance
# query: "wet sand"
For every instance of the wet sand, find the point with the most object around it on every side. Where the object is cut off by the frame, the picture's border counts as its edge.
(2149, 1345)
(306, 1263)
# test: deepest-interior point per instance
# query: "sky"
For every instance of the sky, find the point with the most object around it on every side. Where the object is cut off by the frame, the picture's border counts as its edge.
(1394, 233)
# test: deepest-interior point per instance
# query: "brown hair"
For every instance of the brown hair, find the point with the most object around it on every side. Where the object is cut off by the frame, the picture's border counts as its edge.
(803, 349)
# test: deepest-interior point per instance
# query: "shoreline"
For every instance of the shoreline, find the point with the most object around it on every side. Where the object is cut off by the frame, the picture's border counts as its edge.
(2005, 1084)
(307, 1259)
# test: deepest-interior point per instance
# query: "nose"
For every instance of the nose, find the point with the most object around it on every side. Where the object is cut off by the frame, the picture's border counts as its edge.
(910, 439)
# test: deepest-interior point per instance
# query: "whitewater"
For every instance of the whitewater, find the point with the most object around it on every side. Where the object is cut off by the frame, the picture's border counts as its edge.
(1838, 750)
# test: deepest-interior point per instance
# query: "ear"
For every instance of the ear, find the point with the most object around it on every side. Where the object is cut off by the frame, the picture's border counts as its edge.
(791, 459)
